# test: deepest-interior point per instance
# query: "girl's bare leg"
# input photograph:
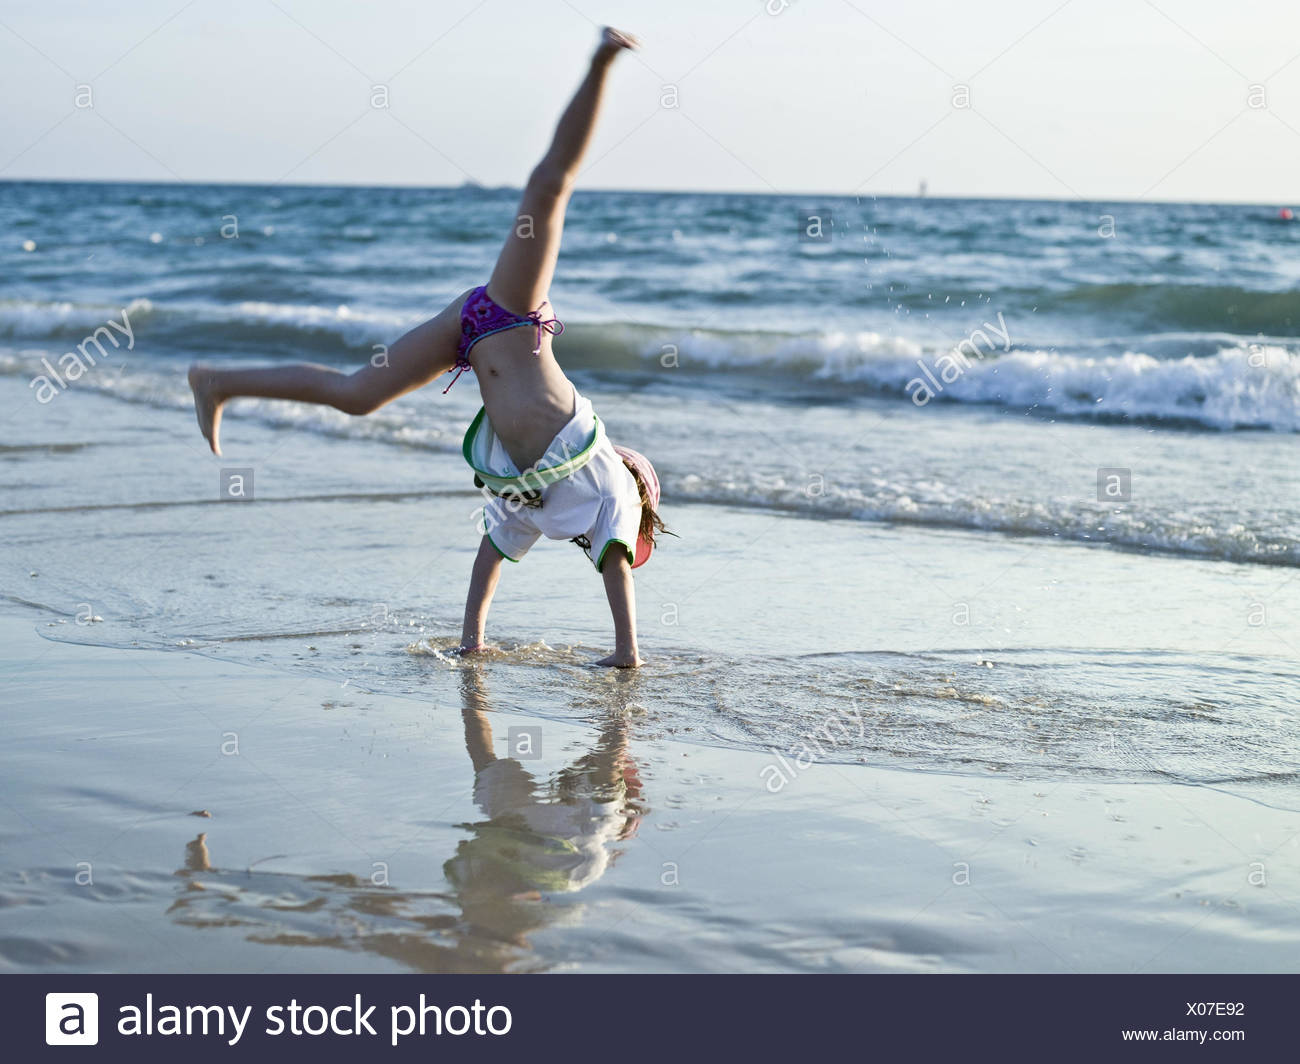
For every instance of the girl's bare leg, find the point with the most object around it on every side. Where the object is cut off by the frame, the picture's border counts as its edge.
(522, 277)
(519, 282)
(422, 354)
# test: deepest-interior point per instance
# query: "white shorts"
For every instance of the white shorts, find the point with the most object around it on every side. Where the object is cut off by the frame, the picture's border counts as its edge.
(599, 502)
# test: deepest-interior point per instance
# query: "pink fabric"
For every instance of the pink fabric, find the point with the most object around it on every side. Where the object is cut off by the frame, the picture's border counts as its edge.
(639, 462)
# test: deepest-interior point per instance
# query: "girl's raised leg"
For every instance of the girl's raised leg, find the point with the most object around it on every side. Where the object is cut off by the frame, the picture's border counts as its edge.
(519, 283)
(422, 354)
(522, 277)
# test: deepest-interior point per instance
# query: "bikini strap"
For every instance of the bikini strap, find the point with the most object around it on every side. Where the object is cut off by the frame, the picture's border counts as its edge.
(460, 367)
(551, 325)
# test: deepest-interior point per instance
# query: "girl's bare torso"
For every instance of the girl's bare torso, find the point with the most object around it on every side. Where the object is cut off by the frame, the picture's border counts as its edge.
(527, 397)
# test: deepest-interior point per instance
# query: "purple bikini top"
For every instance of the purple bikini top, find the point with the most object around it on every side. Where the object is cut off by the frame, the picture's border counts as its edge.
(482, 316)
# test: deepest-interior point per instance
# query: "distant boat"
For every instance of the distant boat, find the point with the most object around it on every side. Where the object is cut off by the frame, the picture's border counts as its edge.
(922, 188)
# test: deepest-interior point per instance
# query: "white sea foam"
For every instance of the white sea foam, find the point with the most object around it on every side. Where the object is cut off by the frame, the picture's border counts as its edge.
(926, 502)
(41, 320)
(899, 495)
(1238, 385)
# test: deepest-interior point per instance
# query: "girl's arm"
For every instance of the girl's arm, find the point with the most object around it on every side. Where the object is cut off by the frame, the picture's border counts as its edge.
(482, 586)
(619, 589)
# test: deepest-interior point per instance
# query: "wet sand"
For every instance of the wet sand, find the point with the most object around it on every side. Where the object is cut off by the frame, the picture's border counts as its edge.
(349, 831)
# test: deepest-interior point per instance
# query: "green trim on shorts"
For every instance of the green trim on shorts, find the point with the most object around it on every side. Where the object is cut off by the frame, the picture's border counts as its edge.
(499, 550)
(631, 556)
(534, 479)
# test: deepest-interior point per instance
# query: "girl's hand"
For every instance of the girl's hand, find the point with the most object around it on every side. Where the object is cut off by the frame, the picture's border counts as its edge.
(623, 661)
(477, 648)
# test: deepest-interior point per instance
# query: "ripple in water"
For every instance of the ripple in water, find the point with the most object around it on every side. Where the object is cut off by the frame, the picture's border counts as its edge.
(1113, 716)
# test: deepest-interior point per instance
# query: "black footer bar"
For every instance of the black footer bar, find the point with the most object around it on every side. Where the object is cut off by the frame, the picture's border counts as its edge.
(633, 1018)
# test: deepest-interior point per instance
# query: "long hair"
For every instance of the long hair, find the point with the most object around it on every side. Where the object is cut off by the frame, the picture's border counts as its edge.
(651, 523)
(651, 526)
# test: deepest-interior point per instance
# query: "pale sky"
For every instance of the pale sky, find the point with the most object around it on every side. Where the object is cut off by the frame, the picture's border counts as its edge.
(1099, 99)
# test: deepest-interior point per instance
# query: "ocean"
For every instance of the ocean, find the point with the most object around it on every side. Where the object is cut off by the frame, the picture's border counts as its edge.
(1103, 324)
(964, 488)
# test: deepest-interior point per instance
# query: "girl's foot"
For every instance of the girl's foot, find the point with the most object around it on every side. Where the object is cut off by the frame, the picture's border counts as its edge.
(207, 406)
(612, 42)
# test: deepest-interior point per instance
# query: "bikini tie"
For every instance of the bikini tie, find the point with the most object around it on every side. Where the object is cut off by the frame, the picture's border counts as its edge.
(460, 367)
(551, 325)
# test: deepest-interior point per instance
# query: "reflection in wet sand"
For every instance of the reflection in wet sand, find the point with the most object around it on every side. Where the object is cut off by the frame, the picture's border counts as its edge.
(537, 839)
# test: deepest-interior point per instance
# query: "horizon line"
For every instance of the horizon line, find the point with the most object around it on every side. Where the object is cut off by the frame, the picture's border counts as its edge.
(470, 185)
